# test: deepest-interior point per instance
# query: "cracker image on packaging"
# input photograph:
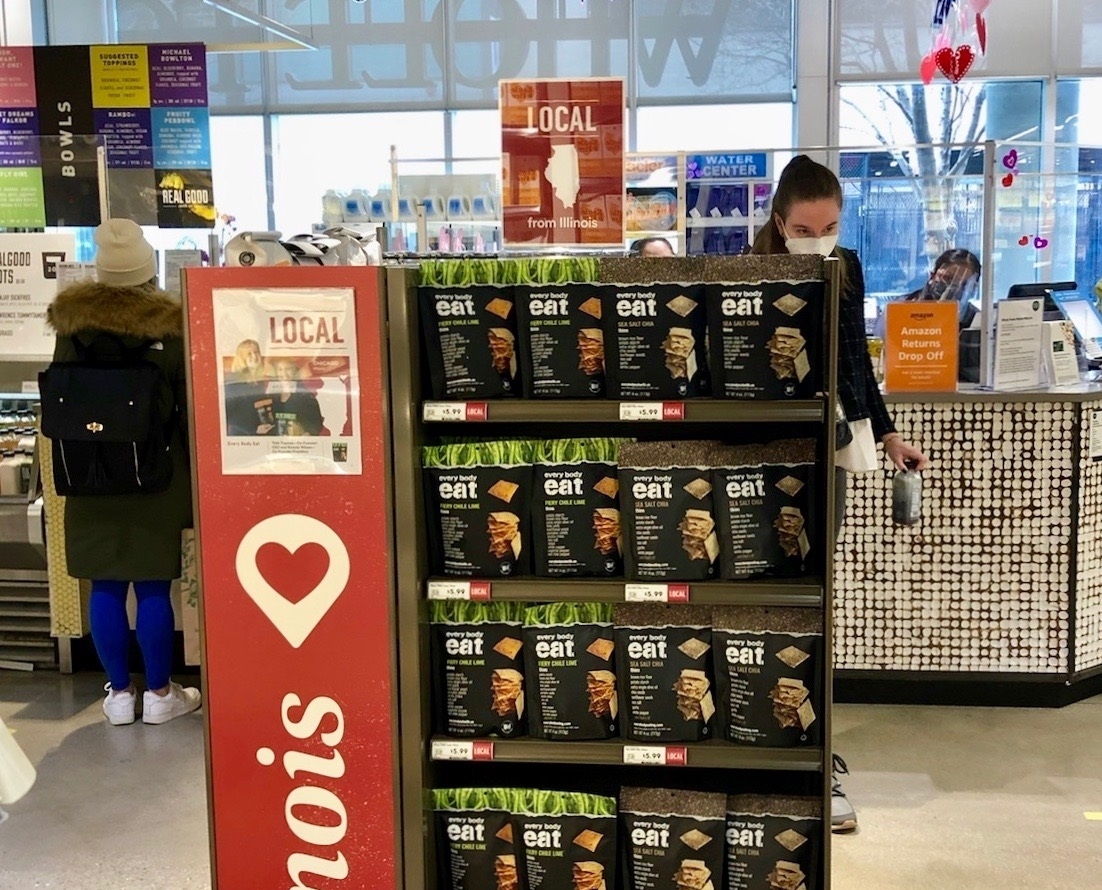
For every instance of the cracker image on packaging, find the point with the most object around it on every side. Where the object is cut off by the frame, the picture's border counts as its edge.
(786, 876)
(601, 686)
(693, 874)
(504, 490)
(790, 485)
(693, 697)
(791, 840)
(790, 527)
(682, 305)
(589, 840)
(699, 488)
(499, 307)
(589, 876)
(789, 697)
(696, 839)
(603, 649)
(698, 535)
(790, 304)
(608, 486)
(792, 656)
(607, 531)
(591, 351)
(680, 349)
(503, 350)
(785, 346)
(505, 872)
(507, 689)
(694, 648)
(509, 647)
(504, 531)
(592, 306)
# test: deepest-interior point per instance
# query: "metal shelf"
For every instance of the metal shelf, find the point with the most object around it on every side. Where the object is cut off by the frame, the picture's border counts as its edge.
(600, 411)
(800, 592)
(715, 754)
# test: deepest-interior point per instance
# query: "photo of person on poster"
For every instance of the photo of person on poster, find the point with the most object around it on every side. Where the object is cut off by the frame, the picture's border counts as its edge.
(248, 406)
(295, 407)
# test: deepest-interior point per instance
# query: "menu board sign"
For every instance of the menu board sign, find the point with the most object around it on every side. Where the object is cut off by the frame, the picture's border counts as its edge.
(562, 152)
(145, 105)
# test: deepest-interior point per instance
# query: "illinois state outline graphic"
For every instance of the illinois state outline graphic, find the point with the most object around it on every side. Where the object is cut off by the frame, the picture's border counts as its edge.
(562, 172)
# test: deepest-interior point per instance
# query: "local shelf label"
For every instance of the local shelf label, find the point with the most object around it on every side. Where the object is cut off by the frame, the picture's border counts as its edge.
(656, 755)
(656, 411)
(445, 750)
(454, 412)
(479, 591)
(656, 593)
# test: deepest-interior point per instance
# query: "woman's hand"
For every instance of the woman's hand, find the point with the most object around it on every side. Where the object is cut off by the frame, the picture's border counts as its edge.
(901, 452)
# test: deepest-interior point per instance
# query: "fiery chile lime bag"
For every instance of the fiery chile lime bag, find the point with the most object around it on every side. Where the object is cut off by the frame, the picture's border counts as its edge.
(568, 840)
(476, 835)
(478, 498)
(571, 671)
(478, 668)
(563, 343)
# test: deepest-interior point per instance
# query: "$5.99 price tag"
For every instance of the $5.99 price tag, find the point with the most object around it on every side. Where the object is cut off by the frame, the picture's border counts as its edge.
(454, 412)
(445, 750)
(656, 755)
(656, 411)
(477, 591)
(656, 593)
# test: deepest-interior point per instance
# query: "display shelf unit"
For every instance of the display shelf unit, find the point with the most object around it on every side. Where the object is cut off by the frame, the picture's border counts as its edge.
(804, 591)
(430, 760)
(614, 752)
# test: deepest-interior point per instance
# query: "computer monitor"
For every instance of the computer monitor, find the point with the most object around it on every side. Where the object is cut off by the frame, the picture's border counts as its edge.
(1045, 291)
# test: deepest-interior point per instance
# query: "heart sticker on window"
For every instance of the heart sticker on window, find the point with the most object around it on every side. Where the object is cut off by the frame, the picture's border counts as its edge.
(294, 568)
(1040, 243)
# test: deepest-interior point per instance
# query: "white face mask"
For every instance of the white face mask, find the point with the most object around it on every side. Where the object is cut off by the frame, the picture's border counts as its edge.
(811, 246)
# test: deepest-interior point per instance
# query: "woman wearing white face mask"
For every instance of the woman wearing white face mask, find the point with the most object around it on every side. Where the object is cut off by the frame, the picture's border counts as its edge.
(807, 207)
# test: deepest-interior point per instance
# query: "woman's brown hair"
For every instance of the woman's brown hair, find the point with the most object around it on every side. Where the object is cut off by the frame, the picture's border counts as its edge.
(801, 180)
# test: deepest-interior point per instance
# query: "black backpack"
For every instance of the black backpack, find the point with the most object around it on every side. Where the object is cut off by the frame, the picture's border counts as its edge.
(104, 417)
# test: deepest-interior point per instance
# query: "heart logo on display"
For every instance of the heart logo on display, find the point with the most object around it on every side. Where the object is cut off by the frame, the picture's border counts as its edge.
(981, 32)
(1024, 240)
(928, 68)
(1040, 243)
(1010, 159)
(309, 562)
(955, 63)
(1008, 180)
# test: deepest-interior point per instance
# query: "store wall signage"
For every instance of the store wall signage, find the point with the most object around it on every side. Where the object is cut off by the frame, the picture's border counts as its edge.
(295, 577)
(145, 105)
(736, 165)
(28, 283)
(921, 347)
(562, 146)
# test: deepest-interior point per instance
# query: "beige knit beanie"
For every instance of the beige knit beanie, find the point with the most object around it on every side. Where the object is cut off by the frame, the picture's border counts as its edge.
(123, 257)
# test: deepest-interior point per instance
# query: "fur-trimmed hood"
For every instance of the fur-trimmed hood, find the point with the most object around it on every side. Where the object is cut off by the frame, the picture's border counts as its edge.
(149, 314)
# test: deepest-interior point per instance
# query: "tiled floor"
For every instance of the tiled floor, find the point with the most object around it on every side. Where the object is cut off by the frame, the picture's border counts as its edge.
(950, 798)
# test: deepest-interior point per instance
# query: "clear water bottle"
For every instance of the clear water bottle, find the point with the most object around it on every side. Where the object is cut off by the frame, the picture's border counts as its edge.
(907, 495)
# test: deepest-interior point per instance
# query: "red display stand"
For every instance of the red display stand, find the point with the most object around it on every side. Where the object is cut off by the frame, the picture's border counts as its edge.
(294, 543)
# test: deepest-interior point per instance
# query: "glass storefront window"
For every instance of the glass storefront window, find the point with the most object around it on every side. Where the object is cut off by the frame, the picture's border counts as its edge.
(665, 128)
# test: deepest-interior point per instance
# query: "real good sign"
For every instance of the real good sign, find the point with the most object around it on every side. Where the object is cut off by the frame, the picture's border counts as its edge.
(562, 153)
(920, 347)
(296, 588)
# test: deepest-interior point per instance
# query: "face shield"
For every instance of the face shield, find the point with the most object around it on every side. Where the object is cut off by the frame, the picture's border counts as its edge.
(955, 282)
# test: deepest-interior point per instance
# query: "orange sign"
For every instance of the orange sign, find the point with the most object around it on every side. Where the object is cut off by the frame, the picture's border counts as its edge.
(920, 347)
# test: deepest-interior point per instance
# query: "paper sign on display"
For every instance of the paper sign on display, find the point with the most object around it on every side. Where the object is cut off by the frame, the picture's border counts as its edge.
(1061, 362)
(287, 372)
(1019, 333)
(921, 347)
(562, 147)
(28, 284)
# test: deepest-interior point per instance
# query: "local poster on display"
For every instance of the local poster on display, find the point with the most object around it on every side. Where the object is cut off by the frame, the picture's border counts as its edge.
(28, 284)
(562, 154)
(287, 373)
(147, 105)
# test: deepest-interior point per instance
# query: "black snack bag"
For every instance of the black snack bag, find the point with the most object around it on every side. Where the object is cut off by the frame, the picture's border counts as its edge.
(568, 840)
(769, 668)
(764, 499)
(476, 836)
(478, 499)
(562, 341)
(766, 339)
(568, 649)
(669, 514)
(576, 510)
(478, 669)
(656, 339)
(774, 842)
(665, 672)
(470, 336)
(673, 839)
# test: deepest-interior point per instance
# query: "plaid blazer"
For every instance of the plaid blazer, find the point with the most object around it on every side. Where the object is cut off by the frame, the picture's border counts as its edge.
(857, 386)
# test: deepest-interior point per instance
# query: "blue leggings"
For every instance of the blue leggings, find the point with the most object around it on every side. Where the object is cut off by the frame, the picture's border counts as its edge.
(111, 630)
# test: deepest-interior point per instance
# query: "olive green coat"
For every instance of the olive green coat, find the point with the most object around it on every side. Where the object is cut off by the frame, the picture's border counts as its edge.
(134, 537)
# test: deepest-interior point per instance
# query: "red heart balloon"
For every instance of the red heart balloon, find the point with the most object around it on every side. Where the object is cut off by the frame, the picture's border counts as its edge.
(1024, 240)
(981, 32)
(928, 68)
(294, 575)
(1008, 180)
(955, 63)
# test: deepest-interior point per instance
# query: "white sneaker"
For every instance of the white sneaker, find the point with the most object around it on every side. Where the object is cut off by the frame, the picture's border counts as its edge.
(157, 709)
(118, 707)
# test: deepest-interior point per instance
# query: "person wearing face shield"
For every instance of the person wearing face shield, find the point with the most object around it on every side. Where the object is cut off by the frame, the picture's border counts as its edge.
(806, 212)
(955, 278)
